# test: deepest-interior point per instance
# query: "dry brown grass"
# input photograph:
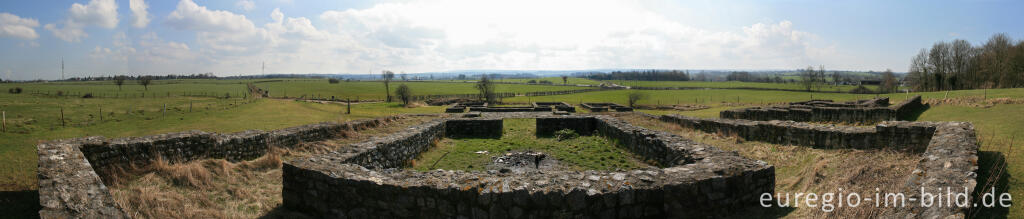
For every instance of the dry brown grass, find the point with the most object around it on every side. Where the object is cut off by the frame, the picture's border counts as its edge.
(216, 188)
(801, 169)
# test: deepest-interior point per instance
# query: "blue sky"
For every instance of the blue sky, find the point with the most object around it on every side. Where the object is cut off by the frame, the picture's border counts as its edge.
(232, 37)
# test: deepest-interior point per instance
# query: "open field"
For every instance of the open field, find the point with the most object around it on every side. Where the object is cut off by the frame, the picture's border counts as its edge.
(580, 153)
(737, 84)
(32, 118)
(375, 89)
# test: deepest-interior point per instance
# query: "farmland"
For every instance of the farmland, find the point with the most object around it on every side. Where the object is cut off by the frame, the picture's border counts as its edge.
(225, 106)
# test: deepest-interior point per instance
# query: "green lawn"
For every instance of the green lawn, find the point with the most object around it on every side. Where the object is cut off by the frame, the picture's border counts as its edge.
(581, 153)
(554, 80)
(375, 89)
(735, 84)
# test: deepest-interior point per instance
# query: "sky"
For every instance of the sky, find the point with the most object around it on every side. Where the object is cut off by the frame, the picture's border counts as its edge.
(234, 37)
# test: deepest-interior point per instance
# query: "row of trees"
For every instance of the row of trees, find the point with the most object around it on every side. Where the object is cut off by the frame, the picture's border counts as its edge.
(999, 63)
(152, 77)
(145, 81)
(648, 75)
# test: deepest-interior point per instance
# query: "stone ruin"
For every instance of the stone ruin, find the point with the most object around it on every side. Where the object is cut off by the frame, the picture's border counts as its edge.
(948, 151)
(71, 171)
(369, 179)
(523, 161)
(534, 107)
(856, 112)
(605, 107)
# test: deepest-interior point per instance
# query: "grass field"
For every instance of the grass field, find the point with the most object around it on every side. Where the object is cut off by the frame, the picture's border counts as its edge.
(554, 80)
(32, 118)
(736, 84)
(375, 89)
(580, 153)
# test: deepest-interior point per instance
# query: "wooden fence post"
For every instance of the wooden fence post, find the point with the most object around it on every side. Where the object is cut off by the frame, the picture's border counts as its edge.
(348, 108)
(5, 121)
(190, 106)
(62, 117)
(164, 112)
(101, 113)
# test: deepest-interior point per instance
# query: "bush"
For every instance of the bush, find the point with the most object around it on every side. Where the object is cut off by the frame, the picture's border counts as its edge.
(861, 90)
(16, 90)
(87, 95)
(532, 82)
(333, 81)
(546, 82)
(60, 93)
(566, 134)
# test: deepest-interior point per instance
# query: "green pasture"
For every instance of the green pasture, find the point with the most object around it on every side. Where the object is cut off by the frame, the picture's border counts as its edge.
(737, 84)
(375, 89)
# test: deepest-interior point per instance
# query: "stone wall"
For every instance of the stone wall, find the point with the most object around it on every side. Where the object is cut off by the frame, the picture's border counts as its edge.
(485, 128)
(605, 107)
(706, 182)
(902, 135)
(951, 161)
(857, 112)
(948, 152)
(71, 172)
(580, 124)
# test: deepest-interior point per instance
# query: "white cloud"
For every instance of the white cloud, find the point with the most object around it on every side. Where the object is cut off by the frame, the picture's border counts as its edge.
(139, 12)
(100, 13)
(246, 5)
(417, 36)
(190, 16)
(537, 34)
(17, 27)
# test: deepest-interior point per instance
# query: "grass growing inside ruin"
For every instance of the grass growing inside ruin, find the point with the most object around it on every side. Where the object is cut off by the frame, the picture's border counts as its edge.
(801, 169)
(215, 188)
(580, 153)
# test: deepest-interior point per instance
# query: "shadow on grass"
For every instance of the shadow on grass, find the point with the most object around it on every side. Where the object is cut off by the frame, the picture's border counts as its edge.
(281, 212)
(989, 164)
(914, 115)
(19, 204)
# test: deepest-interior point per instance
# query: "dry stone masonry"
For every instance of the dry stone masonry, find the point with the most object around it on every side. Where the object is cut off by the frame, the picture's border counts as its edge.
(367, 180)
(857, 112)
(605, 107)
(948, 150)
(71, 171)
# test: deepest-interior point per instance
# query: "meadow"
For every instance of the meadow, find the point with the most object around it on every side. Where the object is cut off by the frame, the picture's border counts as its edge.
(738, 84)
(225, 106)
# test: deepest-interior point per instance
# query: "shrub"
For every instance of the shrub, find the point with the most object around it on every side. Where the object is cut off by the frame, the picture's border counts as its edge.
(532, 82)
(566, 134)
(546, 82)
(861, 90)
(16, 90)
(87, 95)
(60, 93)
(333, 81)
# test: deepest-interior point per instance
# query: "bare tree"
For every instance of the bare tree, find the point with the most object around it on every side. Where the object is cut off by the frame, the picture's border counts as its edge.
(119, 80)
(387, 76)
(565, 79)
(635, 97)
(404, 94)
(145, 81)
(808, 77)
(486, 88)
(889, 82)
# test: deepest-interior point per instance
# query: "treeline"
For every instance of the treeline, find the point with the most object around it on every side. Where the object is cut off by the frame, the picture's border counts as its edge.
(999, 63)
(643, 75)
(153, 77)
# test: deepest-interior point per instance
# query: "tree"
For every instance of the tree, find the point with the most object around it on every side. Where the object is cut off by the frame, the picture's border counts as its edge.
(486, 88)
(565, 79)
(836, 77)
(808, 77)
(119, 80)
(387, 76)
(405, 77)
(404, 94)
(635, 97)
(145, 81)
(889, 82)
